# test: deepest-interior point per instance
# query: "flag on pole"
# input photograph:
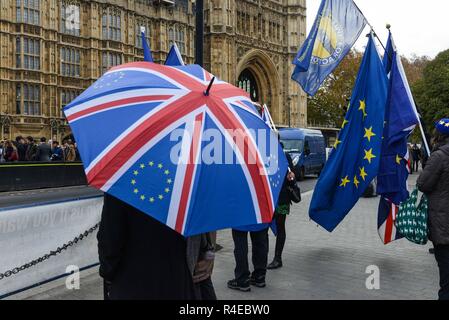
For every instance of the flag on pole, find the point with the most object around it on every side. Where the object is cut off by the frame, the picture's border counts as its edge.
(337, 27)
(354, 163)
(148, 57)
(174, 57)
(266, 116)
(401, 118)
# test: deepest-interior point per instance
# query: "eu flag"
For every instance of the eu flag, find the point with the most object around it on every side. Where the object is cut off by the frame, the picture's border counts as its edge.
(354, 162)
(337, 27)
(401, 118)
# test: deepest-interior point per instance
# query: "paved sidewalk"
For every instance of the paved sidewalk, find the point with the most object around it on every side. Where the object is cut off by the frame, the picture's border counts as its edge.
(319, 265)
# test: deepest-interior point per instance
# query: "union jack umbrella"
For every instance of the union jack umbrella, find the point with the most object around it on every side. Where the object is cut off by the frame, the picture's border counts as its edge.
(148, 135)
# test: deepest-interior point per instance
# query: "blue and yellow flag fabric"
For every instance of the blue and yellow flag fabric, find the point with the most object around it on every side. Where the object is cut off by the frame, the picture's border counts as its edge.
(401, 117)
(337, 27)
(354, 162)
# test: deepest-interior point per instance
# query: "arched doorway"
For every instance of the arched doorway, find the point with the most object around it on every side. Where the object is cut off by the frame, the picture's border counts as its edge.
(258, 75)
(247, 82)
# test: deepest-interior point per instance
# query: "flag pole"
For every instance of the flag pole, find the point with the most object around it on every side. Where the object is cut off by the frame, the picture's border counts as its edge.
(421, 127)
(270, 118)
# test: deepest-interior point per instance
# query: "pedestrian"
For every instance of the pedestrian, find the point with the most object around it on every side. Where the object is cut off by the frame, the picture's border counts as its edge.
(57, 153)
(70, 152)
(21, 148)
(11, 154)
(77, 153)
(2, 151)
(416, 157)
(43, 151)
(200, 260)
(243, 278)
(280, 215)
(434, 182)
(31, 150)
(141, 258)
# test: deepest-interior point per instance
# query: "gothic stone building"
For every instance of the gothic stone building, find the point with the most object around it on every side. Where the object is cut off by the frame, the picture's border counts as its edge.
(50, 50)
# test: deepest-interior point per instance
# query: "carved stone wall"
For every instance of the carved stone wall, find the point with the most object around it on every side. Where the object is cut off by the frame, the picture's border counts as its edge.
(262, 36)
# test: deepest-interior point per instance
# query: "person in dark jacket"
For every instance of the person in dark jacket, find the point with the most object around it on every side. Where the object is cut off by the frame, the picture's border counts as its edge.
(31, 149)
(140, 258)
(200, 260)
(21, 148)
(43, 151)
(434, 182)
(280, 216)
(416, 158)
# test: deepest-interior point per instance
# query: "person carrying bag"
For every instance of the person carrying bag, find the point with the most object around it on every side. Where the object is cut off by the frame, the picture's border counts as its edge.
(411, 220)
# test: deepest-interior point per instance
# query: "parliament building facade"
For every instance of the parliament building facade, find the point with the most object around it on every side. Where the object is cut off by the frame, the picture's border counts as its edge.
(51, 50)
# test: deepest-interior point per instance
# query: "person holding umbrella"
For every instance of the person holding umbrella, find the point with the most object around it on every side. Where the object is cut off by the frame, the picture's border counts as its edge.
(140, 258)
(156, 198)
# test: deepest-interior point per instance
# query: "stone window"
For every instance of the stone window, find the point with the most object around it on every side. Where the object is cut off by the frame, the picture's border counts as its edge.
(111, 22)
(177, 34)
(70, 18)
(70, 62)
(28, 11)
(28, 52)
(28, 99)
(109, 60)
(67, 96)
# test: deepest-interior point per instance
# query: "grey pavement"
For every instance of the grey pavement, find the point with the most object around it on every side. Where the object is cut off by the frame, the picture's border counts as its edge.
(317, 264)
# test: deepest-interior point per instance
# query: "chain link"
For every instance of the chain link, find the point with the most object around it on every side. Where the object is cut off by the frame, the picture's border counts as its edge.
(49, 255)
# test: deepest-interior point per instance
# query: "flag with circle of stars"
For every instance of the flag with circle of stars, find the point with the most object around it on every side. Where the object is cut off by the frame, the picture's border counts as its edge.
(354, 162)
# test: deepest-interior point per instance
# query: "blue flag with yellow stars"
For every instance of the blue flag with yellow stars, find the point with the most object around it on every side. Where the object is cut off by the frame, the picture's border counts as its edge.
(354, 162)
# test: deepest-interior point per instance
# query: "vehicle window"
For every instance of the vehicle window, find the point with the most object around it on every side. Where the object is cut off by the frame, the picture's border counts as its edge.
(307, 146)
(292, 146)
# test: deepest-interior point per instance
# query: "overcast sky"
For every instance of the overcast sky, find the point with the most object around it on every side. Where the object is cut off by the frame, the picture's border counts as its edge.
(419, 27)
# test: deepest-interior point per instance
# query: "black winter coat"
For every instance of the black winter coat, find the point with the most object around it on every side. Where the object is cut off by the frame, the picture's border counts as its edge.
(434, 182)
(144, 259)
(284, 196)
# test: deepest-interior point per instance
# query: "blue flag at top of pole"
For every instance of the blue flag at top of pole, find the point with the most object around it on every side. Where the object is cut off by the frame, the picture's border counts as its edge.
(401, 118)
(337, 27)
(174, 57)
(147, 56)
(354, 162)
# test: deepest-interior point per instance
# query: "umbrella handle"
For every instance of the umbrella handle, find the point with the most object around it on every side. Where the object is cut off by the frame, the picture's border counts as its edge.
(206, 93)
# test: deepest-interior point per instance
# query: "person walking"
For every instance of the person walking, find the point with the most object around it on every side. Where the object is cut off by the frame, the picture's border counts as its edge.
(259, 239)
(280, 216)
(416, 157)
(43, 153)
(434, 182)
(140, 258)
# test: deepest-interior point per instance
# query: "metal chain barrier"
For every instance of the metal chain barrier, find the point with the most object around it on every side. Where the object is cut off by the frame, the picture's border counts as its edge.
(47, 256)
